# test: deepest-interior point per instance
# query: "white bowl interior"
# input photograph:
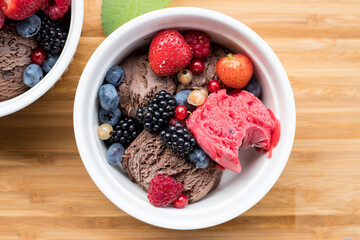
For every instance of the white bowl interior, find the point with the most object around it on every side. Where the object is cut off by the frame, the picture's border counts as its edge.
(28, 97)
(236, 192)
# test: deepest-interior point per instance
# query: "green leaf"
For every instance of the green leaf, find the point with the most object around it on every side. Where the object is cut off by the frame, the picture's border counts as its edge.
(117, 12)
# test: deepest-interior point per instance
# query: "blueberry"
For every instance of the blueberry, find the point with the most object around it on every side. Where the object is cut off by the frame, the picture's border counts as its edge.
(115, 75)
(32, 75)
(108, 96)
(115, 154)
(199, 158)
(181, 99)
(29, 27)
(253, 87)
(111, 117)
(49, 63)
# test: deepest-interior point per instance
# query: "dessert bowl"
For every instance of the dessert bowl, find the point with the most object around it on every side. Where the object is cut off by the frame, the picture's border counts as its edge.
(236, 192)
(17, 103)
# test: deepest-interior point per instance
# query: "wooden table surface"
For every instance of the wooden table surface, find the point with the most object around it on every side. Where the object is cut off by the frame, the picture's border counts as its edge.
(46, 193)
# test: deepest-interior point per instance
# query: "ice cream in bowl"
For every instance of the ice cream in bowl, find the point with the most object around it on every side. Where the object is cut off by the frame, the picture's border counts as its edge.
(184, 118)
(37, 42)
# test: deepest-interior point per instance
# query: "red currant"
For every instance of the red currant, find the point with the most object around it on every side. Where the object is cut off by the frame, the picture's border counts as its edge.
(181, 112)
(38, 56)
(181, 201)
(214, 86)
(196, 67)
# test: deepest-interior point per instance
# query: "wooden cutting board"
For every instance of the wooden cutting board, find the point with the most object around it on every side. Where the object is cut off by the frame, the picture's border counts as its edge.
(46, 193)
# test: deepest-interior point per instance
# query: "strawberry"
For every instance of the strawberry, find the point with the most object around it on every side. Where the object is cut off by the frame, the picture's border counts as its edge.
(235, 70)
(169, 53)
(19, 9)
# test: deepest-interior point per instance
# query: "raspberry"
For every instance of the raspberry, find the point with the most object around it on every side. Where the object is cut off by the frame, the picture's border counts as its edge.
(163, 190)
(55, 9)
(199, 42)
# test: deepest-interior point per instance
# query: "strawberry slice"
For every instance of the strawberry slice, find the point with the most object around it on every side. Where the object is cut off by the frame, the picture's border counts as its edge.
(19, 9)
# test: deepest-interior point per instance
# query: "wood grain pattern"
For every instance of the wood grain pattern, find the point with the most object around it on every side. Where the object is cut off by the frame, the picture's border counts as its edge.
(46, 193)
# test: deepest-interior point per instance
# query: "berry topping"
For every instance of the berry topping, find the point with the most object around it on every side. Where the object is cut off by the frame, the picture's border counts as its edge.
(185, 76)
(125, 132)
(204, 91)
(38, 56)
(235, 70)
(29, 27)
(181, 99)
(19, 9)
(214, 86)
(178, 138)
(181, 112)
(55, 9)
(199, 42)
(199, 158)
(253, 87)
(196, 67)
(196, 98)
(52, 36)
(115, 75)
(156, 115)
(50, 62)
(108, 97)
(163, 190)
(32, 75)
(181, 201)
(169, 53)
(105, 131)
(115, 154)
(111, 117)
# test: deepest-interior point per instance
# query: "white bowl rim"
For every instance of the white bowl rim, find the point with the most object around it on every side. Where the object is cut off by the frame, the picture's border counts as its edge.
(102, 182)
(25, 99)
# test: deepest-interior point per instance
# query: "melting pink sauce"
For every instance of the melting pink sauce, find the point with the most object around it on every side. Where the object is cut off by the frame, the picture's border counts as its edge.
(275, 136)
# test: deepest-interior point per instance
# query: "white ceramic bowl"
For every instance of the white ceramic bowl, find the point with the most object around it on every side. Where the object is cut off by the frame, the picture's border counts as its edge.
(236, 192)
(30, 96)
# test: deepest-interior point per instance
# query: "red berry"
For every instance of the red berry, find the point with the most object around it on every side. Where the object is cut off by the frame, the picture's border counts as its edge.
(55, 9)
(214, 86)
(199, 42)
(196, 67)
(180, 112)
(38, 56)
(169, 53)
(163, 190)
(19, 9)
(181, 201)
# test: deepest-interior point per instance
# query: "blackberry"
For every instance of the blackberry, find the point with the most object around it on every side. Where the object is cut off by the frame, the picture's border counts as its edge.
(125, 131)
(156, 115)
(51, 36)
(178, 138)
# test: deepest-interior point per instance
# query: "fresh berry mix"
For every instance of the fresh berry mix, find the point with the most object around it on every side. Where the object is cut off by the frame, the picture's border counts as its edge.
(181, 201)
(199, 42)
(163, 190)
(169, 53)
(181, 99)
(52, 36)
(156, 115)
(125, 132)
(178, 138)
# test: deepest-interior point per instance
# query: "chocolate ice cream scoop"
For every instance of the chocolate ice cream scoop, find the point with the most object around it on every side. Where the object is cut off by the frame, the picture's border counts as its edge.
(149, 156)
(15, 56)
(140, 83)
